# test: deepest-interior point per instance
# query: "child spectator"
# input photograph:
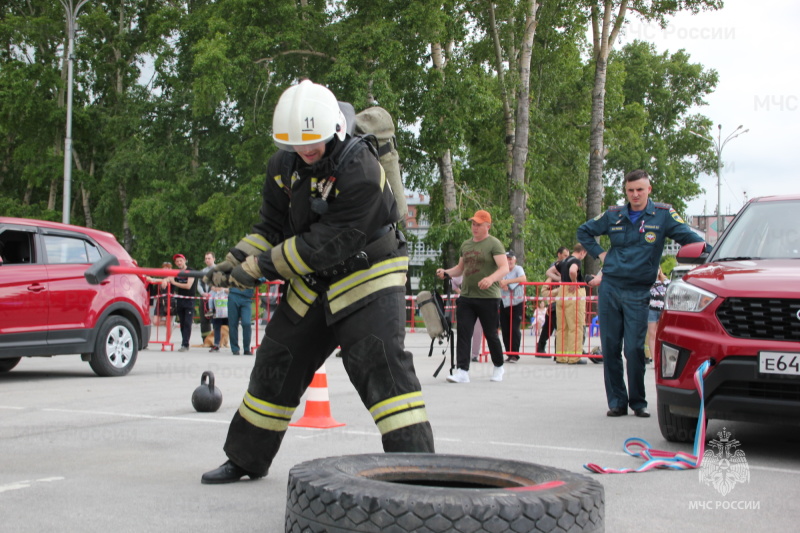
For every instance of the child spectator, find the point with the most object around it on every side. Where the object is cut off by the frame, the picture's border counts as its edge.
(218, 300)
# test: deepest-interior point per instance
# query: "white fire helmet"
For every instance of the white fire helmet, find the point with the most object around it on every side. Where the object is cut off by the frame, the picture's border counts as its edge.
(307, 113)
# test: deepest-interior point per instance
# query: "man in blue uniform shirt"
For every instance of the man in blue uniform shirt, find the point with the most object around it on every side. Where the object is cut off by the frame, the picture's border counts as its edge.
(637, 231)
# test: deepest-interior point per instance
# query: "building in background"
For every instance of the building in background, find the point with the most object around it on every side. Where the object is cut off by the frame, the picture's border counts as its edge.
(416, 228)
(708, 225)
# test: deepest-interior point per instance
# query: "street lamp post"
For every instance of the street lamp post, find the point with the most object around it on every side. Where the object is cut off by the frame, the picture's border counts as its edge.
(718, 145)
(72, 15)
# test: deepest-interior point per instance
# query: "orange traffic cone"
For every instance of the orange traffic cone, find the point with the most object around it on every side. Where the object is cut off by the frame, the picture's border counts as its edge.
(318, 405)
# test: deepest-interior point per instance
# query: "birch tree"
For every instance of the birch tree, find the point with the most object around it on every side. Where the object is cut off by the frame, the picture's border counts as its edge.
(515, 94)
(608, 18)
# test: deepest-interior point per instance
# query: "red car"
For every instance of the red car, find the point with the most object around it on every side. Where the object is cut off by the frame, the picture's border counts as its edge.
(48, 308)
(741, 311)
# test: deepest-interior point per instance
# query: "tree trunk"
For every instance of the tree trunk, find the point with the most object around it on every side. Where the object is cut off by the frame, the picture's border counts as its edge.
(87, 210)
(518, 194)
(195, 164)
(594, 192)
(85, 193)
(122, 28)
(127, 239)
(74, 206)
(57, 149)
(508, 117)
(51, 199)
(6, 160)
(445, 164)
(517, 123)
(604, 33)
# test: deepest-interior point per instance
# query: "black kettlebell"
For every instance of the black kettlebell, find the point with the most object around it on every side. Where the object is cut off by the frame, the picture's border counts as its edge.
(206, 398)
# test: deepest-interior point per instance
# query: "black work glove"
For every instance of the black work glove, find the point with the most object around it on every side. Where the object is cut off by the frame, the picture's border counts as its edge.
(252, 245)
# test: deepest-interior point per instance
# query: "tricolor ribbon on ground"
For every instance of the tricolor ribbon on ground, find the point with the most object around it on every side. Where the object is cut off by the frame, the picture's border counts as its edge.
(637, 447)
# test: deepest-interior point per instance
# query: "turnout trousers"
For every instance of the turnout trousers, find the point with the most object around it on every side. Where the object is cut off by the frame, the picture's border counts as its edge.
(571, 313)
(373, 354)
(623, 325)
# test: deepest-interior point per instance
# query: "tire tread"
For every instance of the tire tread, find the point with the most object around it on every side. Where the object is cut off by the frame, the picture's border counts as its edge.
(328, 495)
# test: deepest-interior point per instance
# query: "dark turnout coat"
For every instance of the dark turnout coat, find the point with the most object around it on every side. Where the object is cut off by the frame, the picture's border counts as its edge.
(321, 251)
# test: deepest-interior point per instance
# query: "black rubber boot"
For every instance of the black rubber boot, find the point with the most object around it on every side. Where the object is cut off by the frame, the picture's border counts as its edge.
(226, 473)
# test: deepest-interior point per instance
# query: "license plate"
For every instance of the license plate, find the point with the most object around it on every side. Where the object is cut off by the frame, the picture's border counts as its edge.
(779, 363)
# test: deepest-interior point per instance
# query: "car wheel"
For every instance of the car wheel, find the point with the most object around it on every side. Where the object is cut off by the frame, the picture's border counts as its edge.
(404, 492)
(8, 364)
(676, 428)
(116, 349)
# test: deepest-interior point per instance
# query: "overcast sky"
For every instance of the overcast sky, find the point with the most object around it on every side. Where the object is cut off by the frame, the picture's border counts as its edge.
(754, 47)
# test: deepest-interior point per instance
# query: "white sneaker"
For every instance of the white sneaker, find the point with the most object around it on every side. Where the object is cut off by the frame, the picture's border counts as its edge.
(497, 375)
(459, 376)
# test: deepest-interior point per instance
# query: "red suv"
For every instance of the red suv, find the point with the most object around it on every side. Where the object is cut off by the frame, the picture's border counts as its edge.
(741, 311)
(48, 308)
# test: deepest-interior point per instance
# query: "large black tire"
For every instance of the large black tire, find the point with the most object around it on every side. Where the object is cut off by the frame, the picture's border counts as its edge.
(406, 492)
(8, 364)
(676, 428)
(116, 349)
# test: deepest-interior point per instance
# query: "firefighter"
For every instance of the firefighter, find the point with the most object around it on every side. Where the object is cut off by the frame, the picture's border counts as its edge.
(327, 227)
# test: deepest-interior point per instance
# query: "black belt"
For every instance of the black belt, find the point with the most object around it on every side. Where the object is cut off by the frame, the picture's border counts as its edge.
(385, 241)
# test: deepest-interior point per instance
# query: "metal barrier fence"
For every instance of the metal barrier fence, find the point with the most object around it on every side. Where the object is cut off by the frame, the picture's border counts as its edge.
(556, 299)
(165, 299)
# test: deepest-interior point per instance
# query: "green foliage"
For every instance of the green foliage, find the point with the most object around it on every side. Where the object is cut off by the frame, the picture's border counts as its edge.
(10, 208)
(668, 262)
(173, 108)
(650, 126)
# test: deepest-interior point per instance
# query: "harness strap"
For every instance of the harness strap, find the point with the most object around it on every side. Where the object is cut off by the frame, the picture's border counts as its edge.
(450, 334)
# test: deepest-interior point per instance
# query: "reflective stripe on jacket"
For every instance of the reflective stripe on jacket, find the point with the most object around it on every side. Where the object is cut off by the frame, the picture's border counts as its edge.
(307, 241)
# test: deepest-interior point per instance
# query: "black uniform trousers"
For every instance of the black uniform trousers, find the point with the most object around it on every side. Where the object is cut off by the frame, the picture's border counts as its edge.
(185, 318)
(510, 322)
(550, 324)
(372, 341)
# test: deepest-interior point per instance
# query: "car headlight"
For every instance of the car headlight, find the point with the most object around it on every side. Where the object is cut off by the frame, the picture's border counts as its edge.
(682, 296)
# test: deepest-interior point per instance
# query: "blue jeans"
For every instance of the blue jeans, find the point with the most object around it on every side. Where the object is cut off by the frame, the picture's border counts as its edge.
(623, 320)
(239, 307)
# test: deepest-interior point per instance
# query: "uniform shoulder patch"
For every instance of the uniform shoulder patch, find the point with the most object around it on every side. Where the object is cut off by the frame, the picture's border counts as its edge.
(662, 205)
(675, 216)
(616, 208)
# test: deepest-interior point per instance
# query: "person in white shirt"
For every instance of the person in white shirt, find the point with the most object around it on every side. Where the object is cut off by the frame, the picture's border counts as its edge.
(512, 307)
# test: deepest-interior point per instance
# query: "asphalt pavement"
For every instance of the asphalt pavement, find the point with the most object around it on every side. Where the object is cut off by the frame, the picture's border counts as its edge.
(83, 453)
